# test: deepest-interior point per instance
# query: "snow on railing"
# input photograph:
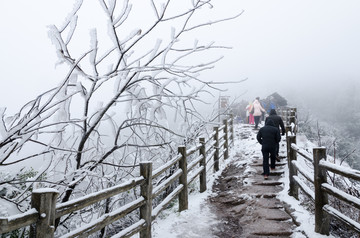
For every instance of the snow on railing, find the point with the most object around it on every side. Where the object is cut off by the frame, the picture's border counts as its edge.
(321, 188)
(212, 149)
(302, 152)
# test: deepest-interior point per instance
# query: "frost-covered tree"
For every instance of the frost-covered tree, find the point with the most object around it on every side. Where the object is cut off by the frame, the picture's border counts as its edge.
(129, 95)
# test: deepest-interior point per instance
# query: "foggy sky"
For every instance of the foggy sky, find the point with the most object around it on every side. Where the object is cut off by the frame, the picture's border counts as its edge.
(296, 48)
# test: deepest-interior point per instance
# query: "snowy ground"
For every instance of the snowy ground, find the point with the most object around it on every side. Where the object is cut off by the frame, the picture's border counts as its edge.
(198, 220)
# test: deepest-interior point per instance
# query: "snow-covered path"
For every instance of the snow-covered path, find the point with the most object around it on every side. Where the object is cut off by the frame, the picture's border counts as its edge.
(241, 190)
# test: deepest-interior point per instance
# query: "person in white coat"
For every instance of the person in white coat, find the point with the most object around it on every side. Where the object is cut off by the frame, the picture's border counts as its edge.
(258, 110)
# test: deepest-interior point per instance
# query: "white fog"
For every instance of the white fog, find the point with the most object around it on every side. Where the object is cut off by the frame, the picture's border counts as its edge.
(139, 90)
(297, 48)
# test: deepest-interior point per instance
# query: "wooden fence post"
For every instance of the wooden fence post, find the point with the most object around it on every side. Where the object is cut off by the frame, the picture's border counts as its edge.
(226, 144)
(288, 116)
(216, 154)
(293, 190)
(283, 115)
(146, 192)
(44, 201)
(322, 221)
(203, 163)
(183, 196)
(292, 121)
(294, 112)
(232, 129)
(287, 146)
(287, 130)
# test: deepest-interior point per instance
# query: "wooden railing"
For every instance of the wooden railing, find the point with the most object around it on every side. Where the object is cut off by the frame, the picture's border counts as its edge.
(321, 188)
(45, 210)
(289, 116)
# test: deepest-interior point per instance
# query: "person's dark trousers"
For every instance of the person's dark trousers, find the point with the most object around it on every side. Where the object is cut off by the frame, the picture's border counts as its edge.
(266, 151)
(257, 120)
(277, 150)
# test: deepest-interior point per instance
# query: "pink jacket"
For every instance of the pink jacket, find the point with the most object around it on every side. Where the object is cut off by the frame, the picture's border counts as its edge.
(257, 108)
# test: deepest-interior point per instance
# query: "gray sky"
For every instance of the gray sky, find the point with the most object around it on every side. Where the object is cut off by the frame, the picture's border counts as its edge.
(294, 46)
(283, 46)
(27, 58)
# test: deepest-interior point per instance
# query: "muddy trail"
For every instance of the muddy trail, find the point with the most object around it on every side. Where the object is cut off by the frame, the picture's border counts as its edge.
(245, 204)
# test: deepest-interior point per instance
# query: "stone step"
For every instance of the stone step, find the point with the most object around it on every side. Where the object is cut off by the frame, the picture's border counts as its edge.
(276, 215)
(263, 195)
(277, 173)
(278, 218)
(271, 204)
(272, 233)
(270, 228)
(277, 164)
(268, 183)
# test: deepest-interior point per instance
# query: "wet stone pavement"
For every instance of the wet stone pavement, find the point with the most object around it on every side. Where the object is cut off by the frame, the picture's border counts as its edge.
(245, 204)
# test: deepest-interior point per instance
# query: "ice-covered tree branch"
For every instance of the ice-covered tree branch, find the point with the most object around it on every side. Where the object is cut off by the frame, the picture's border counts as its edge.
(130, 94)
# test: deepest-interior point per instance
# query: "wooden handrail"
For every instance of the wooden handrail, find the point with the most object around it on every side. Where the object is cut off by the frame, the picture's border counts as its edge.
(8, 224)
(303, 171)
(193, 150)
(165, 184)
(105, 219)
(349, 173)
(209, 150)
(195, 162)
(302, 152)
(166, 166)
(339, 216)
(305, 188)
(82, 202)
(351, 200)
(322, 188)
(166, 201)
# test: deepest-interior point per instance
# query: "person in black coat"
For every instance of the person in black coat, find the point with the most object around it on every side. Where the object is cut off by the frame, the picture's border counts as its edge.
(269, 137)
(278, 122)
